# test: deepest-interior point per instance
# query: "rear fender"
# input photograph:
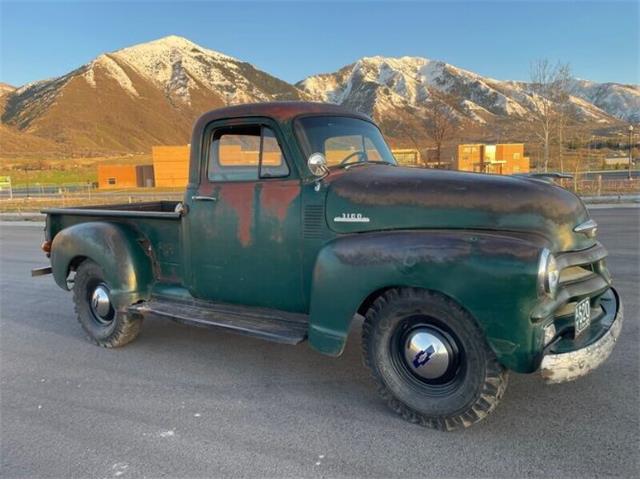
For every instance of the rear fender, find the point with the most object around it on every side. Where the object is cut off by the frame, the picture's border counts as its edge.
(116, 248)
(490, 275)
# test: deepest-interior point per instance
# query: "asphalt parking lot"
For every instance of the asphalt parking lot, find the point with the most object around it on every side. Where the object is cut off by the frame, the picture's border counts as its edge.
(188, 402)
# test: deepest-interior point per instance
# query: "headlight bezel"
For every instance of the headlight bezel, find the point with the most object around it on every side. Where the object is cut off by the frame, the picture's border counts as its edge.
(548, 274)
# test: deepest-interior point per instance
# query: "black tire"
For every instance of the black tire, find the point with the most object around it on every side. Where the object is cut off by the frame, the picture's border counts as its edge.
(472, 386)
(116, 328)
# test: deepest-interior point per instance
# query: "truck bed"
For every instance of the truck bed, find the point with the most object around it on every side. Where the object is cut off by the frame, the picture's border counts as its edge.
(157, 222)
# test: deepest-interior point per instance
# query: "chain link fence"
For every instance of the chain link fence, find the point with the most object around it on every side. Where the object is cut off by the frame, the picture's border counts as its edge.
(38, 196)
(597, 186)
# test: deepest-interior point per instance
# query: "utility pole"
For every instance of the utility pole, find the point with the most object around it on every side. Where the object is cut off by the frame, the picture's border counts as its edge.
(630, 149)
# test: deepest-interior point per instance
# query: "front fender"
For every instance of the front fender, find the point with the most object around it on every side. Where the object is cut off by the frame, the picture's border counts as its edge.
(492, 276)
(116, 248)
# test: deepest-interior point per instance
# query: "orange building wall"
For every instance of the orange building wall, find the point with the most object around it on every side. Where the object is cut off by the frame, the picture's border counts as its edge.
(171, 165)
(513, 155)
(469, 157)
(122, 176)
(509, 159)
(407, 156)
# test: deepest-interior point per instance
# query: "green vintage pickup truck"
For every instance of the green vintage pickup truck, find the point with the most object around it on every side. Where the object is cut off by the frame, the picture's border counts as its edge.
(296, 218)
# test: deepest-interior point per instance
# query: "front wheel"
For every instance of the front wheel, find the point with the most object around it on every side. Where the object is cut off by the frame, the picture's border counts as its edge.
(430, 360)
(104, 325)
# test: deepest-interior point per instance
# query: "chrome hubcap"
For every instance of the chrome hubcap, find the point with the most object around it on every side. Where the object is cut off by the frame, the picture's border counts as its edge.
(428, 353)
(101, 304)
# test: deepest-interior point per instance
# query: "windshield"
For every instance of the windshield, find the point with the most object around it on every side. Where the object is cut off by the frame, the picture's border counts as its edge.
(343, 140)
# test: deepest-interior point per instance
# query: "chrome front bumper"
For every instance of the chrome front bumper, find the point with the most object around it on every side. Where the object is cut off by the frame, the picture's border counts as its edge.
(568, 366)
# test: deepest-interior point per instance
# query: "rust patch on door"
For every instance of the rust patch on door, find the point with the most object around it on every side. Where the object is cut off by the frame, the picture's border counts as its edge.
(240, 198)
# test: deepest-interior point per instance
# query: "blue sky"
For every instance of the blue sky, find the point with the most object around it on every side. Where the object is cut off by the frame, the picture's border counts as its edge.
(295, 39)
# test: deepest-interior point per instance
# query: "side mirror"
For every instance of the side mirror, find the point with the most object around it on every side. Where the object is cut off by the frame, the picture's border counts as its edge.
(318, 165)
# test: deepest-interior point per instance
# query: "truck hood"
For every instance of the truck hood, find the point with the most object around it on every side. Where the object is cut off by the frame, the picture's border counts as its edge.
(379, 197)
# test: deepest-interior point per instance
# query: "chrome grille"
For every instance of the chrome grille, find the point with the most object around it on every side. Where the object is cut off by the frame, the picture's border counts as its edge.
(582, 274)
(576, 274)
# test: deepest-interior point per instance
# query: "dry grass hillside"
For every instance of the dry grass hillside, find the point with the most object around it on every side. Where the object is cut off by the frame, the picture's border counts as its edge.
(129, 100)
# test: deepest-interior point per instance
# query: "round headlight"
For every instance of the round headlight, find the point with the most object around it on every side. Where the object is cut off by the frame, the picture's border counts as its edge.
(548, 274)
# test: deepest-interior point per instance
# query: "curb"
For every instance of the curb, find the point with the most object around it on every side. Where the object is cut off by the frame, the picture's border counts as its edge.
(612, 199)
(22, 217)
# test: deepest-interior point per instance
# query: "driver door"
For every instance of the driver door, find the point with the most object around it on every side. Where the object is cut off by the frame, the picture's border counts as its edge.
(245, 220)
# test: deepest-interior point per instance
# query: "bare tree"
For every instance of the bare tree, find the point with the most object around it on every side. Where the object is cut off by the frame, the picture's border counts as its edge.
(564, 108)
(406, 130)
(440, 123)
(549, 84)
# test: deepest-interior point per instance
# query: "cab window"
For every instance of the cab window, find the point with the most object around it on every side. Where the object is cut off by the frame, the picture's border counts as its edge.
(245, 153)
(342, 140)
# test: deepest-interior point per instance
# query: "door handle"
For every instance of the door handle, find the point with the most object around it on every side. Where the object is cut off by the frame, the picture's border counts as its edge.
(204, 198)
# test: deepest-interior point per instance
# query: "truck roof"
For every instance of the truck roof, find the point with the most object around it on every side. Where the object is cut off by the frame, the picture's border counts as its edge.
(279, 111)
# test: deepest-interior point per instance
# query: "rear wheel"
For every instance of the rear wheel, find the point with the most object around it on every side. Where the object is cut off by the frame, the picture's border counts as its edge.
(430, 360)
(104, 325)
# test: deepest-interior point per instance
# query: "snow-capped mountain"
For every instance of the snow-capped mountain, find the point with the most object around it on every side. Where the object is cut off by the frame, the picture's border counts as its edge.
(381, 86)
(150, 94)
(179, 67)
(139, 96)
(408, 82)
(618, 100)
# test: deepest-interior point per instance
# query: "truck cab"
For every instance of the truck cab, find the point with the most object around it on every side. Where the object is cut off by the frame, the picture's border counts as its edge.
(296, 218)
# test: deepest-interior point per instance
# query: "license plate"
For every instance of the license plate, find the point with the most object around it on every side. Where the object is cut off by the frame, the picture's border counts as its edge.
(582, 316)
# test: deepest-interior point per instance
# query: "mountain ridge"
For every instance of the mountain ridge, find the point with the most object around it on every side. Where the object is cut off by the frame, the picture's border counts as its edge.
(412, 80)
(150, 93)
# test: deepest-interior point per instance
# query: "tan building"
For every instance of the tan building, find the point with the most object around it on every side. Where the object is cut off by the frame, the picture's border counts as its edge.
(125, 176)
(616, 161)
(502, 158)
(117, 176)
(409, 157)
(171, 165)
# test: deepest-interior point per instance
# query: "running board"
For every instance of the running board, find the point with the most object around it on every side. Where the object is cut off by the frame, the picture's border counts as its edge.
(273, 325)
